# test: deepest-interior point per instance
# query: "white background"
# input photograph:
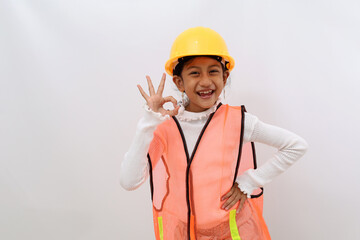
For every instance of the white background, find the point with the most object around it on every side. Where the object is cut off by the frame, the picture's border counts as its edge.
(69, 107)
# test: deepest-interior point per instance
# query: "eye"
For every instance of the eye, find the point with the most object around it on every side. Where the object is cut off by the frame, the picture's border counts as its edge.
(194, 73)
(214, 71)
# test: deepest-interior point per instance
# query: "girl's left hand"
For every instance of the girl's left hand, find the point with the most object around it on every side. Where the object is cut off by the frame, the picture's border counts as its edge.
(233, 196)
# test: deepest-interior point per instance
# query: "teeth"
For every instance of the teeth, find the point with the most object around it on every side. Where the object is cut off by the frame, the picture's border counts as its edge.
(206, 92)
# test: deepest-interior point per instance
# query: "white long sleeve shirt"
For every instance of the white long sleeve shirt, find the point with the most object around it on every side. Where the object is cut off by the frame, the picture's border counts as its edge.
(135, 169)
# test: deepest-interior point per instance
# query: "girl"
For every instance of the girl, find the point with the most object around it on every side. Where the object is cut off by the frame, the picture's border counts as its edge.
(200, 156)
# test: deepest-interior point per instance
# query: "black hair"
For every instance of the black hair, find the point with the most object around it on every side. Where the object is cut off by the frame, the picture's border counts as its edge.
(182, 61)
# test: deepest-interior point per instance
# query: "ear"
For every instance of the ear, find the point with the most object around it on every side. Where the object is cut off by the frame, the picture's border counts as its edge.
(179, 82)
(225, 76)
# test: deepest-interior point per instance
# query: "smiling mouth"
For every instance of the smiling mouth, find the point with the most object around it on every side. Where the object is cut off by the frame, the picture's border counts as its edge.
(205, 94)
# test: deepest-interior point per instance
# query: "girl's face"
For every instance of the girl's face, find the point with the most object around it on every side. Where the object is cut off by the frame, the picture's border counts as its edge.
(202, 79)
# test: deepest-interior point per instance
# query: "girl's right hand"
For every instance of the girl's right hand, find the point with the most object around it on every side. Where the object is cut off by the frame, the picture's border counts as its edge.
(156, 101)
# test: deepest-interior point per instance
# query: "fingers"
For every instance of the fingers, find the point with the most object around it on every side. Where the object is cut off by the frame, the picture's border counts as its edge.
(227, 194)
(233, 196)
(162, 84)
(242, 201)
(174, 111)
(232, 200)
(143, 92)
(171, 99)
(151, 87)
(156, 101)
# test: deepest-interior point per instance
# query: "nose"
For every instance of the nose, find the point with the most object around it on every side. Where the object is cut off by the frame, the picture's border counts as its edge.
(205, 81)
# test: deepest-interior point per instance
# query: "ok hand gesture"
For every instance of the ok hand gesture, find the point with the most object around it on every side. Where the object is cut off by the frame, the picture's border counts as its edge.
(156, 101)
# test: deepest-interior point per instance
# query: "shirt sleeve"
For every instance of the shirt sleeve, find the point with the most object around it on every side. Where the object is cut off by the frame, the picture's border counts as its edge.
(291, 147)
(134, 167)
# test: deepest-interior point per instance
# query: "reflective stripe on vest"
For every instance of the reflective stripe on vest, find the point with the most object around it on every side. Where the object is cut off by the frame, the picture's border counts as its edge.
(161, 231)
(186, 189)
(233, 227)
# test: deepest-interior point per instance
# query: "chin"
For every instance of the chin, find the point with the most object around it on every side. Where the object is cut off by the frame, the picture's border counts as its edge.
(208, 105)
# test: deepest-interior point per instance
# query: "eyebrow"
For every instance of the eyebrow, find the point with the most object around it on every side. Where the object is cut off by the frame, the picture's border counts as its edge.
(215, 65)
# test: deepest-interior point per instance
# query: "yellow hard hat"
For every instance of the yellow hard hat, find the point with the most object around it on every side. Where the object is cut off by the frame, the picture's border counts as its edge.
(198, 41)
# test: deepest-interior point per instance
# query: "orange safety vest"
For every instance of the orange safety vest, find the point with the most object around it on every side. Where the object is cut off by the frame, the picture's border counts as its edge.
(186, 189)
